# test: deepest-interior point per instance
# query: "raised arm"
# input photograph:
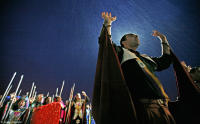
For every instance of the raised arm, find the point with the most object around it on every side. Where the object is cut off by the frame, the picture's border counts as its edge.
(106, 29)
(108, 19)
(164, 42)
(165, 60)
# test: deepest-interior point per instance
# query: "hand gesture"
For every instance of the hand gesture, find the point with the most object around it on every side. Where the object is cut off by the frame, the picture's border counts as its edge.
(108, 19)
(187, 68)
(83, 93)
(158, 34)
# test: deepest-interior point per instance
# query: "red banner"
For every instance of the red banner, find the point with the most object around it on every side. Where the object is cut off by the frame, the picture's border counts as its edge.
(47, 114)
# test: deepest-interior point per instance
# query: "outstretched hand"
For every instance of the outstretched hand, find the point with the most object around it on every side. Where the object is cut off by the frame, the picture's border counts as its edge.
(158, 34)
(187, 68)
(83, 93)
(108, 19)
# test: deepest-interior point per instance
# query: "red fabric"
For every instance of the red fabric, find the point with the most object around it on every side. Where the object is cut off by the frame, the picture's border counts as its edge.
(47, 114)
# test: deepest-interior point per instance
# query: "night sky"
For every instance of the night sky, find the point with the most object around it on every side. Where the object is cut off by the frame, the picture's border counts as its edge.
(54, 40)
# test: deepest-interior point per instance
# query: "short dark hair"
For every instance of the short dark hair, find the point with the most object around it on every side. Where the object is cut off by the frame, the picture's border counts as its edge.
(124, 38)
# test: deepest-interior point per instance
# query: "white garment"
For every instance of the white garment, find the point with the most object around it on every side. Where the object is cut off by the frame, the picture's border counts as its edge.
(128, 55)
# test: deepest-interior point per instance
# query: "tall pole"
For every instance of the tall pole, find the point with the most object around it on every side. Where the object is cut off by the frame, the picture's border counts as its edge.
(19, 92)
(53, 98)
(3, 99)
(33, 93)
(27, 93)
(31, 90)
(62, 88)
(6, 115)
(19, 85)
(56, 92)
(8, 87)
(47, 94)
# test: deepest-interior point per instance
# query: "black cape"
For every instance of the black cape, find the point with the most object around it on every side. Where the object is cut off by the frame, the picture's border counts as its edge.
(112, 102)
(187, 107)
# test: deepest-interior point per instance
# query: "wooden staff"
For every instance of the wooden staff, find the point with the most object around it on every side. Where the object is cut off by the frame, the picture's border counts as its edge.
(6, 107)
(33, 93)
(70, 104)
(6, 115)
(19, 92)
(56, 91)
(47, 94)
(31, 90)
(27, 93)
(19, 84)
(8, 87)
(62, 88)
(3, 99)
(53, 98)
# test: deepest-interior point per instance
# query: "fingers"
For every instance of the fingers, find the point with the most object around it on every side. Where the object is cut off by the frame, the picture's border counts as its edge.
(155, 33)
(114, 18)
(83, 92)
(106, 13)
(103, 14)
(109, 15)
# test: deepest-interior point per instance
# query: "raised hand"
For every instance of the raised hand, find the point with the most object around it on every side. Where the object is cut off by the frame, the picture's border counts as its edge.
(83, 93)
(158, 34)
(108, 19)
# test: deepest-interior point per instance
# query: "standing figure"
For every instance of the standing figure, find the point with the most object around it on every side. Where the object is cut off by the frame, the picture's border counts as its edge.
(18, 109)
(146, 91)
(62, 112)
(78, 109)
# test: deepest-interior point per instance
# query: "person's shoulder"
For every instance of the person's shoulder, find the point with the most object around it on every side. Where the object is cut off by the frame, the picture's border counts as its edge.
(150, 58)
(146, 56)
(117, 47)
(82, 100)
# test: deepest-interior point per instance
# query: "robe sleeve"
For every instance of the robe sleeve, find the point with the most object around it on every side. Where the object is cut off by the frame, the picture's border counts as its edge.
(118, 49)
(162, 62)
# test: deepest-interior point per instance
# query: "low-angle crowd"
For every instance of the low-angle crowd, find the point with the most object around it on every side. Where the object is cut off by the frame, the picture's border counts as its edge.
(39, 108)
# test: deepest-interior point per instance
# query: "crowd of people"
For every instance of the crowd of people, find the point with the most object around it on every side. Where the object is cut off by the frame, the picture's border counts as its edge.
(123, 77)
(21, 109)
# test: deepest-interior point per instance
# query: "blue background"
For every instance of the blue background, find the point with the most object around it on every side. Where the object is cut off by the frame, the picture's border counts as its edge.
(54, 40)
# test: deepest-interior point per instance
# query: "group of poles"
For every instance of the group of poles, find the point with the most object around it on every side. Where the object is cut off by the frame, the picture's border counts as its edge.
(31, 94)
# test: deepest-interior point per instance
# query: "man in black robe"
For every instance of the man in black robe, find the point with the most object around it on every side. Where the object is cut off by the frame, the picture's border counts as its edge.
(144, 88)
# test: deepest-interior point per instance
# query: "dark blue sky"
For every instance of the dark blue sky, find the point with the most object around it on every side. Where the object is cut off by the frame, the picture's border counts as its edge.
(53, 40)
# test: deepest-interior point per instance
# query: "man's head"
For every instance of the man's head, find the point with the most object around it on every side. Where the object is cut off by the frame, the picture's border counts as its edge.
(12, 95)
(87, 106)
(39, 98)
(47, 100)
(21, 103)
(67, 102)
(130, 41)
(78, 96)
(58, 99)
